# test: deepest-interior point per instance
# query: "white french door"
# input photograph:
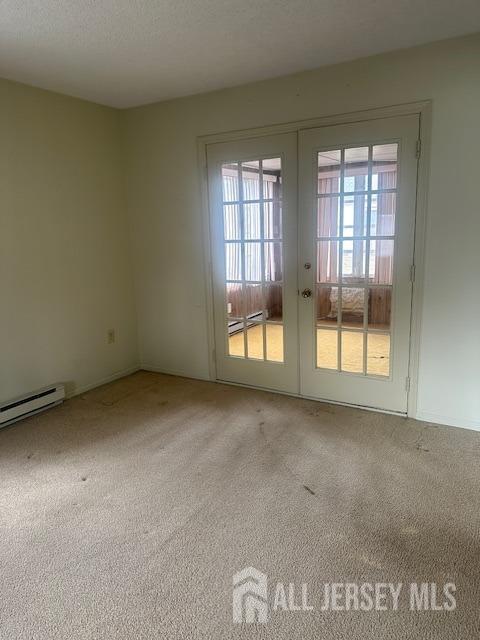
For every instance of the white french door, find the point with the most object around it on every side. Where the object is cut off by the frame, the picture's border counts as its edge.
(253, 223)
(357, 191)
(312, 287)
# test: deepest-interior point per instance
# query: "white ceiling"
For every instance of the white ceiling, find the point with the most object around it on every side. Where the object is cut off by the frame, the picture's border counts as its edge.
(130, 52)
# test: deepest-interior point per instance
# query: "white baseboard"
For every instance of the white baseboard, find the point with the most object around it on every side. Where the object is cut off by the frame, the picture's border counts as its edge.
(172, 372)
(98, 383)
(449, 421)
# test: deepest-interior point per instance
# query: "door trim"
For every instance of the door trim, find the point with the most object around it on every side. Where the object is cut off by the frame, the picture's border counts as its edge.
(424, 110)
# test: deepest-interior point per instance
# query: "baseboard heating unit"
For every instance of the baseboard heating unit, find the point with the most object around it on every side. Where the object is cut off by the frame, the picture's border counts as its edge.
(31, 403)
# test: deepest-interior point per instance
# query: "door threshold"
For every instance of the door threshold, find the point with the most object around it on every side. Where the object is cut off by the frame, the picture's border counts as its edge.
(292, 394)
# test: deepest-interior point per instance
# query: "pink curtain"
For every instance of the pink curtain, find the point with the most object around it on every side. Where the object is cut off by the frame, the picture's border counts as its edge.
(328, 227)
(380, 298)
(385, 227)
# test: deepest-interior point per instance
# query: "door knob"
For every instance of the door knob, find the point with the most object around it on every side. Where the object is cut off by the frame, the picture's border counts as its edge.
(307, 293)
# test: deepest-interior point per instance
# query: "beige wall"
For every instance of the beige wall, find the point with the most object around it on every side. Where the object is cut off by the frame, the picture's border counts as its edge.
(65, 268)
(165, 212)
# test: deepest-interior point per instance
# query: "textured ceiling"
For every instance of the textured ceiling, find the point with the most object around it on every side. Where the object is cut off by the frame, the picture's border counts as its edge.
(130, 52)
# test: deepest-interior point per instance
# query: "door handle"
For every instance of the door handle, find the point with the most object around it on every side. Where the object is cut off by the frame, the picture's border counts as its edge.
(307, 293)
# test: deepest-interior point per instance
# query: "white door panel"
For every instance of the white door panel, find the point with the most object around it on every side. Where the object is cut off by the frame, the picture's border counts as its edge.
(357, 185)
(253, 222)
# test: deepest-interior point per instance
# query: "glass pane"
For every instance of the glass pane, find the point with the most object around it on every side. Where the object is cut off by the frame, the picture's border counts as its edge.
(273, 261)
(327, 305)
(329, 171)
(274, 336)
(353, 261)
(382, 219)
(272, 216)
(381, 261)
(356, 169)
(327, 261)
(355, 215)
(251, 218)
(233, 261)
(273, 302)
(272, 178)
(231, 222)
(379, 308)
(353, 304)
(328, 217)
(234, 301)
(352, 351)
(236, 344)
(253, 261)
(378, 354)
(384, 166)
(254, 301)
(255, 341)
(251, 180)
(230, 182)
(327, 349)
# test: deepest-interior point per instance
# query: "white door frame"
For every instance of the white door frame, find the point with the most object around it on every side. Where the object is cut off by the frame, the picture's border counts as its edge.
(424, 110)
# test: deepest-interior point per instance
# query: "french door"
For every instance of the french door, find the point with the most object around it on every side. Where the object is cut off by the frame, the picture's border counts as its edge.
(357, 203)
(312, 286)
(253, 222)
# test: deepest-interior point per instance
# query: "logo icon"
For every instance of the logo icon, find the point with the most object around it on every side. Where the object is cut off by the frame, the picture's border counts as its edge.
(250, 596)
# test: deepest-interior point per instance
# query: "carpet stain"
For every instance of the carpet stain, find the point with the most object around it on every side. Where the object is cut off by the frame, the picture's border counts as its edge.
(420, 447)
(318, 411)
(311, 491)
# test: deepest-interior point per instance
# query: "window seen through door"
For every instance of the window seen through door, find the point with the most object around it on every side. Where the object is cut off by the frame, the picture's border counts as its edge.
(356, 208)
(252, 222)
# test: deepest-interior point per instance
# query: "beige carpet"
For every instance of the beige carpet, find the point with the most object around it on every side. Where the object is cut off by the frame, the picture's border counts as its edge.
(125, 512)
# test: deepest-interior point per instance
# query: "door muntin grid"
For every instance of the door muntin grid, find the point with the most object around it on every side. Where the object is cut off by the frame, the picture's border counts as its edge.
(253, 247)
(356, 198)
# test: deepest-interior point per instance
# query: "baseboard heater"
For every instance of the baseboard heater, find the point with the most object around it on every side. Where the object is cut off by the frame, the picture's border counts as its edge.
(31, 403)
(235, 326)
